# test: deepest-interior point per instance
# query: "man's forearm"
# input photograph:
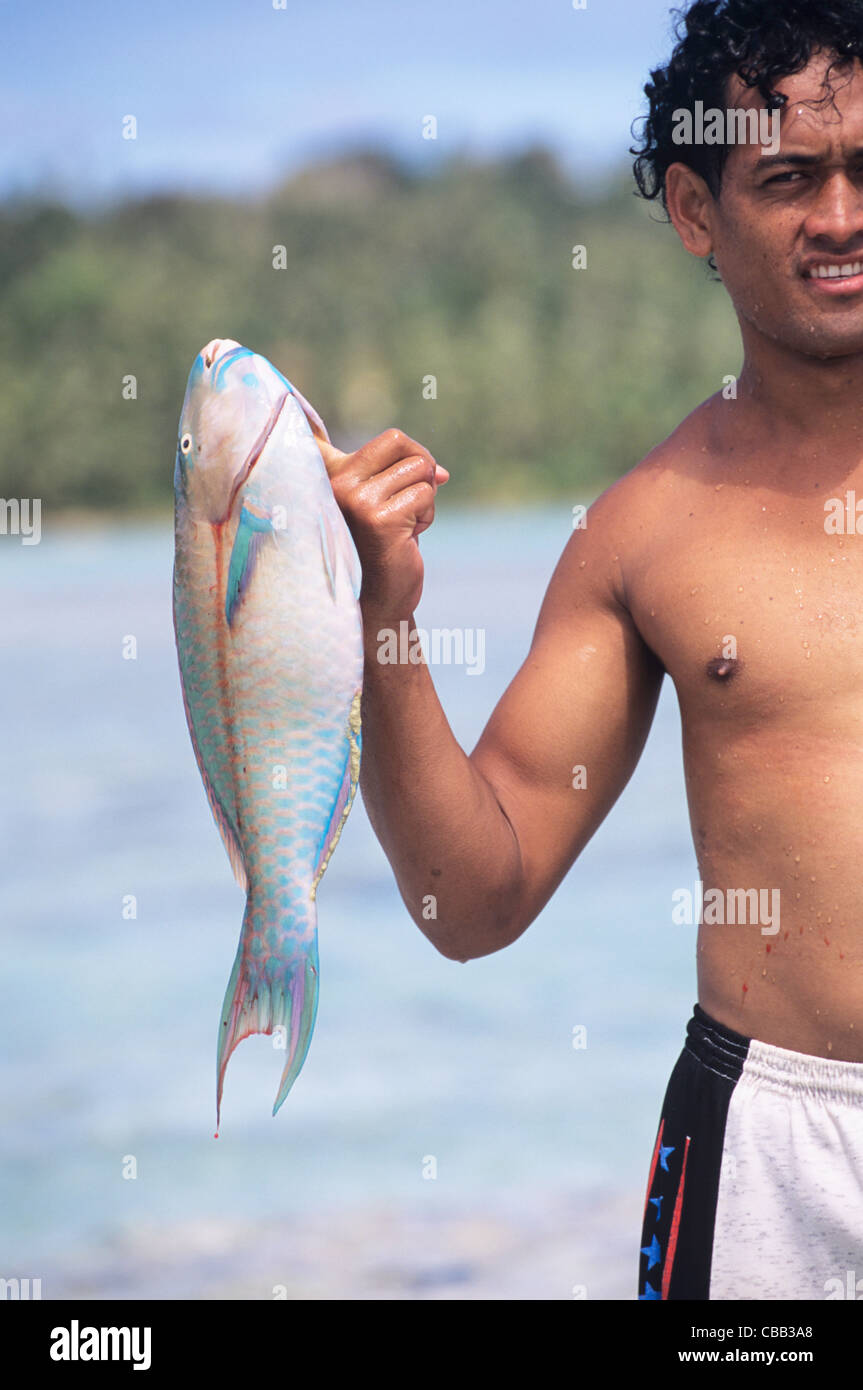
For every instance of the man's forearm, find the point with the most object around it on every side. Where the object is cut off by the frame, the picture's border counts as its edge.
(452, 849)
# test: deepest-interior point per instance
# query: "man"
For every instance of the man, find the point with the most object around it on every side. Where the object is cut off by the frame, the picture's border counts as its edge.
(720, 560)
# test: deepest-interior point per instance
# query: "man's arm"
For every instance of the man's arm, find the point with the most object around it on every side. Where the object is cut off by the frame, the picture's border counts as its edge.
(479, 843)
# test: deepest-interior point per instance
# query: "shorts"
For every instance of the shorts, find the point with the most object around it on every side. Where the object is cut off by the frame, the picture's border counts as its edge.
(756, 1183)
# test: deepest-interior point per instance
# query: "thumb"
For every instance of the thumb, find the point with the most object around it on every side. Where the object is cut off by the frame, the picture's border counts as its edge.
(333, 458)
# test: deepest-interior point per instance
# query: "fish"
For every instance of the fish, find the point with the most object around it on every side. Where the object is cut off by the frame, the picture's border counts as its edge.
(266, 587)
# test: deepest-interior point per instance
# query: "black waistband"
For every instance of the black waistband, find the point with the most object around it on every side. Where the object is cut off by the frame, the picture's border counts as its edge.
(716, 1046)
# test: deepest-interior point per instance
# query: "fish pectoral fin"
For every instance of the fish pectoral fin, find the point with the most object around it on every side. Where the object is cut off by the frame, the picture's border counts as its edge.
(252, 529)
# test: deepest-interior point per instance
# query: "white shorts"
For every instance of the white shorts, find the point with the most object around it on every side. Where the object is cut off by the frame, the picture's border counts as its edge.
(756, 1184)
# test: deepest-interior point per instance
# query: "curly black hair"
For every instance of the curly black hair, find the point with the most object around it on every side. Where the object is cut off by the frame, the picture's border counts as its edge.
(761, 41)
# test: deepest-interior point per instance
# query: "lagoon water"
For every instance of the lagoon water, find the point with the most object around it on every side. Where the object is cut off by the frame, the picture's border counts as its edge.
(445, 1138)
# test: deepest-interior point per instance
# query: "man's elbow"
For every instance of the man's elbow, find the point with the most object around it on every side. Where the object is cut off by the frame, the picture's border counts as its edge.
(472, 944)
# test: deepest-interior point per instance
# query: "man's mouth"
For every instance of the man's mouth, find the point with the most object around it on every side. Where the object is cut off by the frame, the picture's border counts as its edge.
(835, 276)
(834, 271)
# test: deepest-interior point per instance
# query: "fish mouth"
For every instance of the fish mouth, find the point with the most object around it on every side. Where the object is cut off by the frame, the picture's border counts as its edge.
(256, 450)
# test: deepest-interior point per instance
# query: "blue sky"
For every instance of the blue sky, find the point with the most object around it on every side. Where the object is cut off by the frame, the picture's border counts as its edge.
(231, 94)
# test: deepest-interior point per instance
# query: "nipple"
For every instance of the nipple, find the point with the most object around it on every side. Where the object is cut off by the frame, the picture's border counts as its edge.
(723, 668)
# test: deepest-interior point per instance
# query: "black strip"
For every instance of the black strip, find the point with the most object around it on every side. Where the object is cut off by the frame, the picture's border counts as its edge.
(695, 1106)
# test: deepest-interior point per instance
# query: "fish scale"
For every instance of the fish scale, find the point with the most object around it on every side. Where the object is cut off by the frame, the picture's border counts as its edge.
(269, 638)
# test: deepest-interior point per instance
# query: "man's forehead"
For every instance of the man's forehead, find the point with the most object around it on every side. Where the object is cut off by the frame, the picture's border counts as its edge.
(807, 118)
(808, 88)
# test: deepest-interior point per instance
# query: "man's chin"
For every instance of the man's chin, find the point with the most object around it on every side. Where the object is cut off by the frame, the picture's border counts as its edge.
(824, 337)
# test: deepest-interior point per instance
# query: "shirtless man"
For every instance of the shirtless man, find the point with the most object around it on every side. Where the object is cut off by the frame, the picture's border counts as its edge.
(715, 561)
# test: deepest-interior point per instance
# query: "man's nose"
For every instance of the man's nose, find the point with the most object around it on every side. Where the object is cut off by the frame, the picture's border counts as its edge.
(837, 215)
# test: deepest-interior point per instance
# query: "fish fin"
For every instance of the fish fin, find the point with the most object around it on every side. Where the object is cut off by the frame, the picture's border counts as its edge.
(229, 835)
(254, 1004)
(347, 791)
(316, 424)
(252, 528)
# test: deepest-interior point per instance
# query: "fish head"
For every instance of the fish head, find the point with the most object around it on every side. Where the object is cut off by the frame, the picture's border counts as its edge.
(232, 403)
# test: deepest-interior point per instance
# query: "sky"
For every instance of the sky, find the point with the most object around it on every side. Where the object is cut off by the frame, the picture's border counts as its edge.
(231, 95)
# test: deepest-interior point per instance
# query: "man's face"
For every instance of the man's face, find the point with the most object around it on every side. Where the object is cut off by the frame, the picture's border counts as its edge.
(784, 216)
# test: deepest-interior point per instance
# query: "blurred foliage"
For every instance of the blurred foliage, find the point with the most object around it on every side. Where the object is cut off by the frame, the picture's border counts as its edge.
(550, 380)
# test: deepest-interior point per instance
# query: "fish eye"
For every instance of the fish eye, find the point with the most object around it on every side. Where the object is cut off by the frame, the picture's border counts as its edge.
(185, 444)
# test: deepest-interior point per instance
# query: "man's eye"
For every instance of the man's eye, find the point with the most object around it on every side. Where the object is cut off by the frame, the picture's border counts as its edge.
(784, 178)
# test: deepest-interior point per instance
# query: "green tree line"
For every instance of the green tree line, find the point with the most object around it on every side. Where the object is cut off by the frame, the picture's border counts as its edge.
(547, 379)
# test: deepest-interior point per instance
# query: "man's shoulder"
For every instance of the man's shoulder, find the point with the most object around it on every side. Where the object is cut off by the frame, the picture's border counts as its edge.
(660, 479)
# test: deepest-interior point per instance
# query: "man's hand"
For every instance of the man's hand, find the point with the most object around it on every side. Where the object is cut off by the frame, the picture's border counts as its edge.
(386, 491)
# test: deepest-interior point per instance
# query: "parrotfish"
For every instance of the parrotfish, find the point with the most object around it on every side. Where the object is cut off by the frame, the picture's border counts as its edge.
(269, 638)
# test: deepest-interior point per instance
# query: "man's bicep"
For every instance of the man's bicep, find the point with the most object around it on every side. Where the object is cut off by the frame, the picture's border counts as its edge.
(566, 735)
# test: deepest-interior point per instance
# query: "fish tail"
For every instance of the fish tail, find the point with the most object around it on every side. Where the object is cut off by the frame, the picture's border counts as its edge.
(281, 996)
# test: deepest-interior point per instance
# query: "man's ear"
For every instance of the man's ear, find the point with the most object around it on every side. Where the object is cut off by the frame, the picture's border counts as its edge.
(690, 204)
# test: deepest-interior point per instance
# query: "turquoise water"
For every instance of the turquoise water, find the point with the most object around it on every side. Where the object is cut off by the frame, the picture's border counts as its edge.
(109, 1025)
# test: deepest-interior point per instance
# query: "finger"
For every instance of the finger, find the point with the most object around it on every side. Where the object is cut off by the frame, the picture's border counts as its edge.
(333, 458)
(384, 450)
(413, 505)
(402, 475)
